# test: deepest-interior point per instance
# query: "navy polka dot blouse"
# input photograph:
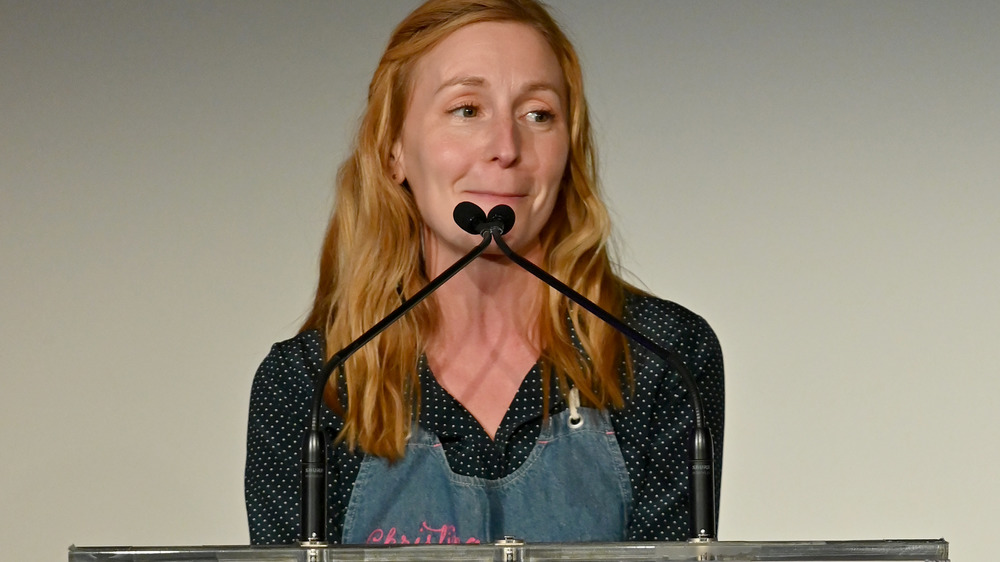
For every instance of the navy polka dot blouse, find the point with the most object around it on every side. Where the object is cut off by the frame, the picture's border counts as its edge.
(652, 429)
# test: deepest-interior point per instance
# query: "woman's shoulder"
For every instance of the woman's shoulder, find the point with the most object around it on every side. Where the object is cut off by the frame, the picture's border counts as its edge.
(665, 321)
(291, 364)
(675, 328)
(284, 386)
(306, 345)
(685, 333)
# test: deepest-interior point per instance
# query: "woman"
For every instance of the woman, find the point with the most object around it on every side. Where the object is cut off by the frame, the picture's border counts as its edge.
(480, 101)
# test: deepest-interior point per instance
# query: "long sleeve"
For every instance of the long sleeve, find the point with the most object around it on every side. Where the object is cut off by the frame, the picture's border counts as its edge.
(279, 409)
(655, 426)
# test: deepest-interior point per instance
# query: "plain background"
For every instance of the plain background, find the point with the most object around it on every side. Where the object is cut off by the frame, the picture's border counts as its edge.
(819, 180)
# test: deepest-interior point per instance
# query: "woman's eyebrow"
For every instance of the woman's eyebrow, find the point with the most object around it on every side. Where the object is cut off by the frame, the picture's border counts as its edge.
(475, 81)
(543, 86)
(479, 81)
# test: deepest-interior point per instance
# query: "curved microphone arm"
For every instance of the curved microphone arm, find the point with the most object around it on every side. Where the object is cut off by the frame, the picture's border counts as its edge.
(702, 469)
(314, 447)
(626, 330)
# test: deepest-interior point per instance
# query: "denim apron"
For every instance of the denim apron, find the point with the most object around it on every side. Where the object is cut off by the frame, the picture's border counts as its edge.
(573, 487)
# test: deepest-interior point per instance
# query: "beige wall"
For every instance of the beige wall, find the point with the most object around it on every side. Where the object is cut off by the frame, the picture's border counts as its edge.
(819, 180)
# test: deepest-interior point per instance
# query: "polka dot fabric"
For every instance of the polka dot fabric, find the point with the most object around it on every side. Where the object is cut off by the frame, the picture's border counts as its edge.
(652, 429)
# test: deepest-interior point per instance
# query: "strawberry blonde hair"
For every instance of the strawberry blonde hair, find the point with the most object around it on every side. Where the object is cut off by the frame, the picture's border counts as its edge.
(371, 253)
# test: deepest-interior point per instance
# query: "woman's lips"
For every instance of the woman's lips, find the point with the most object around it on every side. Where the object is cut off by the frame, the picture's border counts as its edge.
(494, 197)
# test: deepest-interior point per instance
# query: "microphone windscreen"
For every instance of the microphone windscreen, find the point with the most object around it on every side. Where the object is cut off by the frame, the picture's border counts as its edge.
(503, 215)
(468, 216)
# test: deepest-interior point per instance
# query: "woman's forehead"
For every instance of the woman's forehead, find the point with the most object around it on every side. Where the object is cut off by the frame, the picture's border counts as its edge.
(484, 53)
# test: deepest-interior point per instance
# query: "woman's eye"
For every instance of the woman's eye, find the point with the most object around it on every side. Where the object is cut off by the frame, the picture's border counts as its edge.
(466, 111)
(540, 116)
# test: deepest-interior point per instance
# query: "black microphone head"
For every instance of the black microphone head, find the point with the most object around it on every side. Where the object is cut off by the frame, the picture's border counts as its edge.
(469, 216)
(504, 215)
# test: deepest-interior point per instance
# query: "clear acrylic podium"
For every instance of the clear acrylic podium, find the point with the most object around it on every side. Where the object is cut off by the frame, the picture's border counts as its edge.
(512, 551)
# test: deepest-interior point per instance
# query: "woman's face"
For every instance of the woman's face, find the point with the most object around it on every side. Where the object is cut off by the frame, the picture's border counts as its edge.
(486, 122)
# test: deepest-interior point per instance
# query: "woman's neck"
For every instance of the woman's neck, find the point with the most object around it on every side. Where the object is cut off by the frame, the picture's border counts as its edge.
(491, 298)
(492, 293)
(485, 340)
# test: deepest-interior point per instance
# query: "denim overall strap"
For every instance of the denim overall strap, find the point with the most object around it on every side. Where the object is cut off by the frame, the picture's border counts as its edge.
(573, 487)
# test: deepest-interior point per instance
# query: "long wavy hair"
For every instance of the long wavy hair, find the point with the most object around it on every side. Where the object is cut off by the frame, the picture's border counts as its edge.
(372, 255)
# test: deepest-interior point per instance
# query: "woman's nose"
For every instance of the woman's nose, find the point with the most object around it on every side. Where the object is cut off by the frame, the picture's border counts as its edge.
(504, 145)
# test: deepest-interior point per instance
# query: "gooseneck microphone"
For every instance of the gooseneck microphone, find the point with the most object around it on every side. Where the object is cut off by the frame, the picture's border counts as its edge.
(473, 220)
(702, 467)
(314, 446)
(492, 227)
